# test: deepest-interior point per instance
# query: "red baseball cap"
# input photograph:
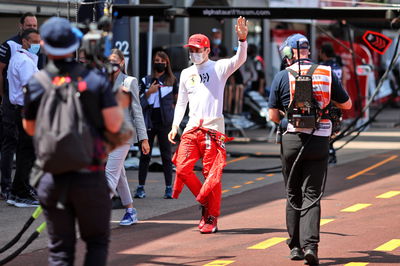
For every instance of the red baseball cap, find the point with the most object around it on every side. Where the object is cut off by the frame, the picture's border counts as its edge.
(198, 41)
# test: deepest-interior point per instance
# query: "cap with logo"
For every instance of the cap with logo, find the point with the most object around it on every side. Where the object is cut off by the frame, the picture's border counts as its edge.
(198, 41)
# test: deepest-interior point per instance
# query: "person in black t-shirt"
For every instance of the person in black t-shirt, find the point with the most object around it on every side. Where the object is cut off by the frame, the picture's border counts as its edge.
(83, 194)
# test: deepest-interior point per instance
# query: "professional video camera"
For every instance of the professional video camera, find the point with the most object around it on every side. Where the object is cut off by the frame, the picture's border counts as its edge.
(97, 42)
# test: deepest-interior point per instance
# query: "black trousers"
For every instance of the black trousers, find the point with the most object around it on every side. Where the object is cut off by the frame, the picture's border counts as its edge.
(87, 201)
(166, 154)
(25, 156)
(304, 186)
(8, 142)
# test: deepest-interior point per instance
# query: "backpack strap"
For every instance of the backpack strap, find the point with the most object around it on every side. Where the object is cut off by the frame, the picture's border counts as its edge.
(294, 74)
(312, 69)
(291, 71)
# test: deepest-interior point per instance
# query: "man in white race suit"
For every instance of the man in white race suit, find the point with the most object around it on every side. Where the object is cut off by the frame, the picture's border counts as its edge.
(202, 86)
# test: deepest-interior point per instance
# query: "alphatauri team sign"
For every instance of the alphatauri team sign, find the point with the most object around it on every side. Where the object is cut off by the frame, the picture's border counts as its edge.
(283, 12)
(145, 10)
(235, 12)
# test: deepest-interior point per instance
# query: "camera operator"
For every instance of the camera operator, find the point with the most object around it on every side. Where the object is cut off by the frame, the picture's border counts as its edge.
(303, 210)
(84, 194)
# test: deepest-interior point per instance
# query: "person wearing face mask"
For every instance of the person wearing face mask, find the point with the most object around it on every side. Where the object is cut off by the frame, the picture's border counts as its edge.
(8, 128)
(218, 51)
(202, 86)
(115, 170)
(157, 95)
(20, 70)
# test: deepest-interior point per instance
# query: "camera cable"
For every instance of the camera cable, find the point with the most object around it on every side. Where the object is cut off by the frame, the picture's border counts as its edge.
(291, 175)
(28, 223)
(31, 238)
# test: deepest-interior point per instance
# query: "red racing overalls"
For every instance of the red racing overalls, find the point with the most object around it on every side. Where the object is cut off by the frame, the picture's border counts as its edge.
(208, 144)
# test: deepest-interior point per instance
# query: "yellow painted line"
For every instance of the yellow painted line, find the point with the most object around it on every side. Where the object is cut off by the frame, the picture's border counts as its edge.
(388, 195)
(260, 178)
(389, 246)
(356, 207)
(270, 174)
(268, 243)
(325, 221)
(237, 159)
(391, 158)
(219, 263)
(356, 264)
(226, 190)
(249, 182)
(235, 187)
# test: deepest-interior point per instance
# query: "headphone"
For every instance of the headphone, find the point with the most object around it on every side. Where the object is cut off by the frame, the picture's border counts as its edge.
(285, 49)
(287, 52)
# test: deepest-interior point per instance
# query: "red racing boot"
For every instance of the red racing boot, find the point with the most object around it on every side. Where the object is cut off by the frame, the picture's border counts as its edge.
(210, 226)
(204, 215)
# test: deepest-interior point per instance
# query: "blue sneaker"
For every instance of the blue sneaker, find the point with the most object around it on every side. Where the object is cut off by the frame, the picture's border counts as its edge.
(129, 218)
(140, 193)
(168, 192)
(28, 202)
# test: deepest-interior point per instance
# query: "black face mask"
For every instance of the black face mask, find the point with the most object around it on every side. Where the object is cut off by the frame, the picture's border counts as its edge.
(115, 67)
(159, 67)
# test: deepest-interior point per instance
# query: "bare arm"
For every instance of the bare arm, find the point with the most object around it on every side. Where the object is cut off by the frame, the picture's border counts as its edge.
(345, 106)
(29, 126)
(274, 115)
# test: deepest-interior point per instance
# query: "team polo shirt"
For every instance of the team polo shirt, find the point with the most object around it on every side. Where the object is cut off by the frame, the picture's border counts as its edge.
(203, 87)
(23, 65)
(7, 49)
